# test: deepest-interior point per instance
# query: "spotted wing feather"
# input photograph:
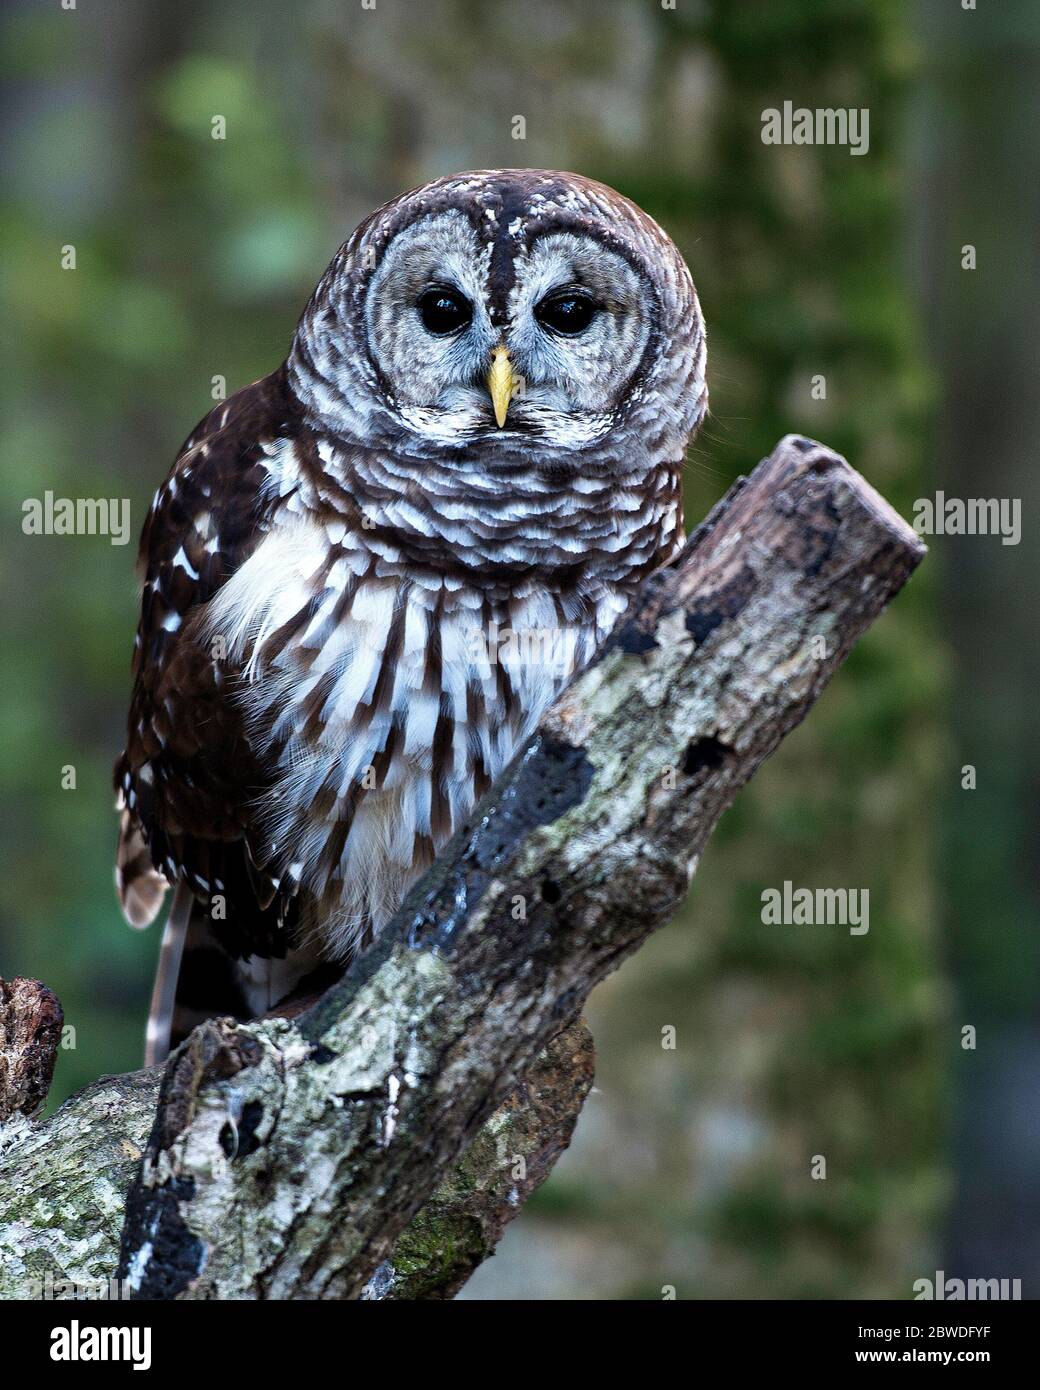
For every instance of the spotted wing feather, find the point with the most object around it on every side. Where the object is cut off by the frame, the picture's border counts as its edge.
(189, 774)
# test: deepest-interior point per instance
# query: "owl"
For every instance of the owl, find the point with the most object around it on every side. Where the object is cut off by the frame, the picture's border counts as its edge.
(368, 573)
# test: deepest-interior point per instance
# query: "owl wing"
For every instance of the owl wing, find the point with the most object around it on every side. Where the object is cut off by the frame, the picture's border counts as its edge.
(189, 775)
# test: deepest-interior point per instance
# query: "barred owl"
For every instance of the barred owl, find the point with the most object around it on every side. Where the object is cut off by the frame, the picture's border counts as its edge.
(368, 573)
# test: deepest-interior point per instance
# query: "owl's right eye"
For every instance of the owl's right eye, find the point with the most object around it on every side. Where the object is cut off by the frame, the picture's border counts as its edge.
(444, 311)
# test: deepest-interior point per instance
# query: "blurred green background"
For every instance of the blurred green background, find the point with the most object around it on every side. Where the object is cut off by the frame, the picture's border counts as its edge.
(194, 257)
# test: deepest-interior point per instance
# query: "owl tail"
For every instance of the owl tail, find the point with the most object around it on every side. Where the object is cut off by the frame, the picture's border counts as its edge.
(195, 979)
(164, 992)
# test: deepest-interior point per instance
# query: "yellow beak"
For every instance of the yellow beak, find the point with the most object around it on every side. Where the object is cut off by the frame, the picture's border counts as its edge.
(501, 382)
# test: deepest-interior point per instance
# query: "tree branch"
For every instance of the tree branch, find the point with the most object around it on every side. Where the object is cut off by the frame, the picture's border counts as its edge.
(460, 1225)
(286, 1157)
(30, 1033)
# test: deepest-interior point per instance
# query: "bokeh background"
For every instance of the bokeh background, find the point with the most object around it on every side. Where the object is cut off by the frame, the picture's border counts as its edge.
(194, 256)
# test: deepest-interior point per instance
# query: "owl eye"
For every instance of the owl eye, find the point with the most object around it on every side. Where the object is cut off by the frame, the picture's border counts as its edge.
(444, 311)
(566, 311)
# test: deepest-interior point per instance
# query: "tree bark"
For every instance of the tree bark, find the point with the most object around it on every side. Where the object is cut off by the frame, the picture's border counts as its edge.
(64, 1185)
(30, 1031)
(287, 1157)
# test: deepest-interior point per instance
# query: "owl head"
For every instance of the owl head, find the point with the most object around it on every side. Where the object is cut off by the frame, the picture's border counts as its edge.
(506, 312)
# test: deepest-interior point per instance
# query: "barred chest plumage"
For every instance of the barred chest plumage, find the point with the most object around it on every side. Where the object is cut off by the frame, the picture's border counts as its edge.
(392, 692)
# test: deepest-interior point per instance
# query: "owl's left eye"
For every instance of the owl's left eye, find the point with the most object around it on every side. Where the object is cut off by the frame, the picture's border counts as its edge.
(566, 311)
(443, 310)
